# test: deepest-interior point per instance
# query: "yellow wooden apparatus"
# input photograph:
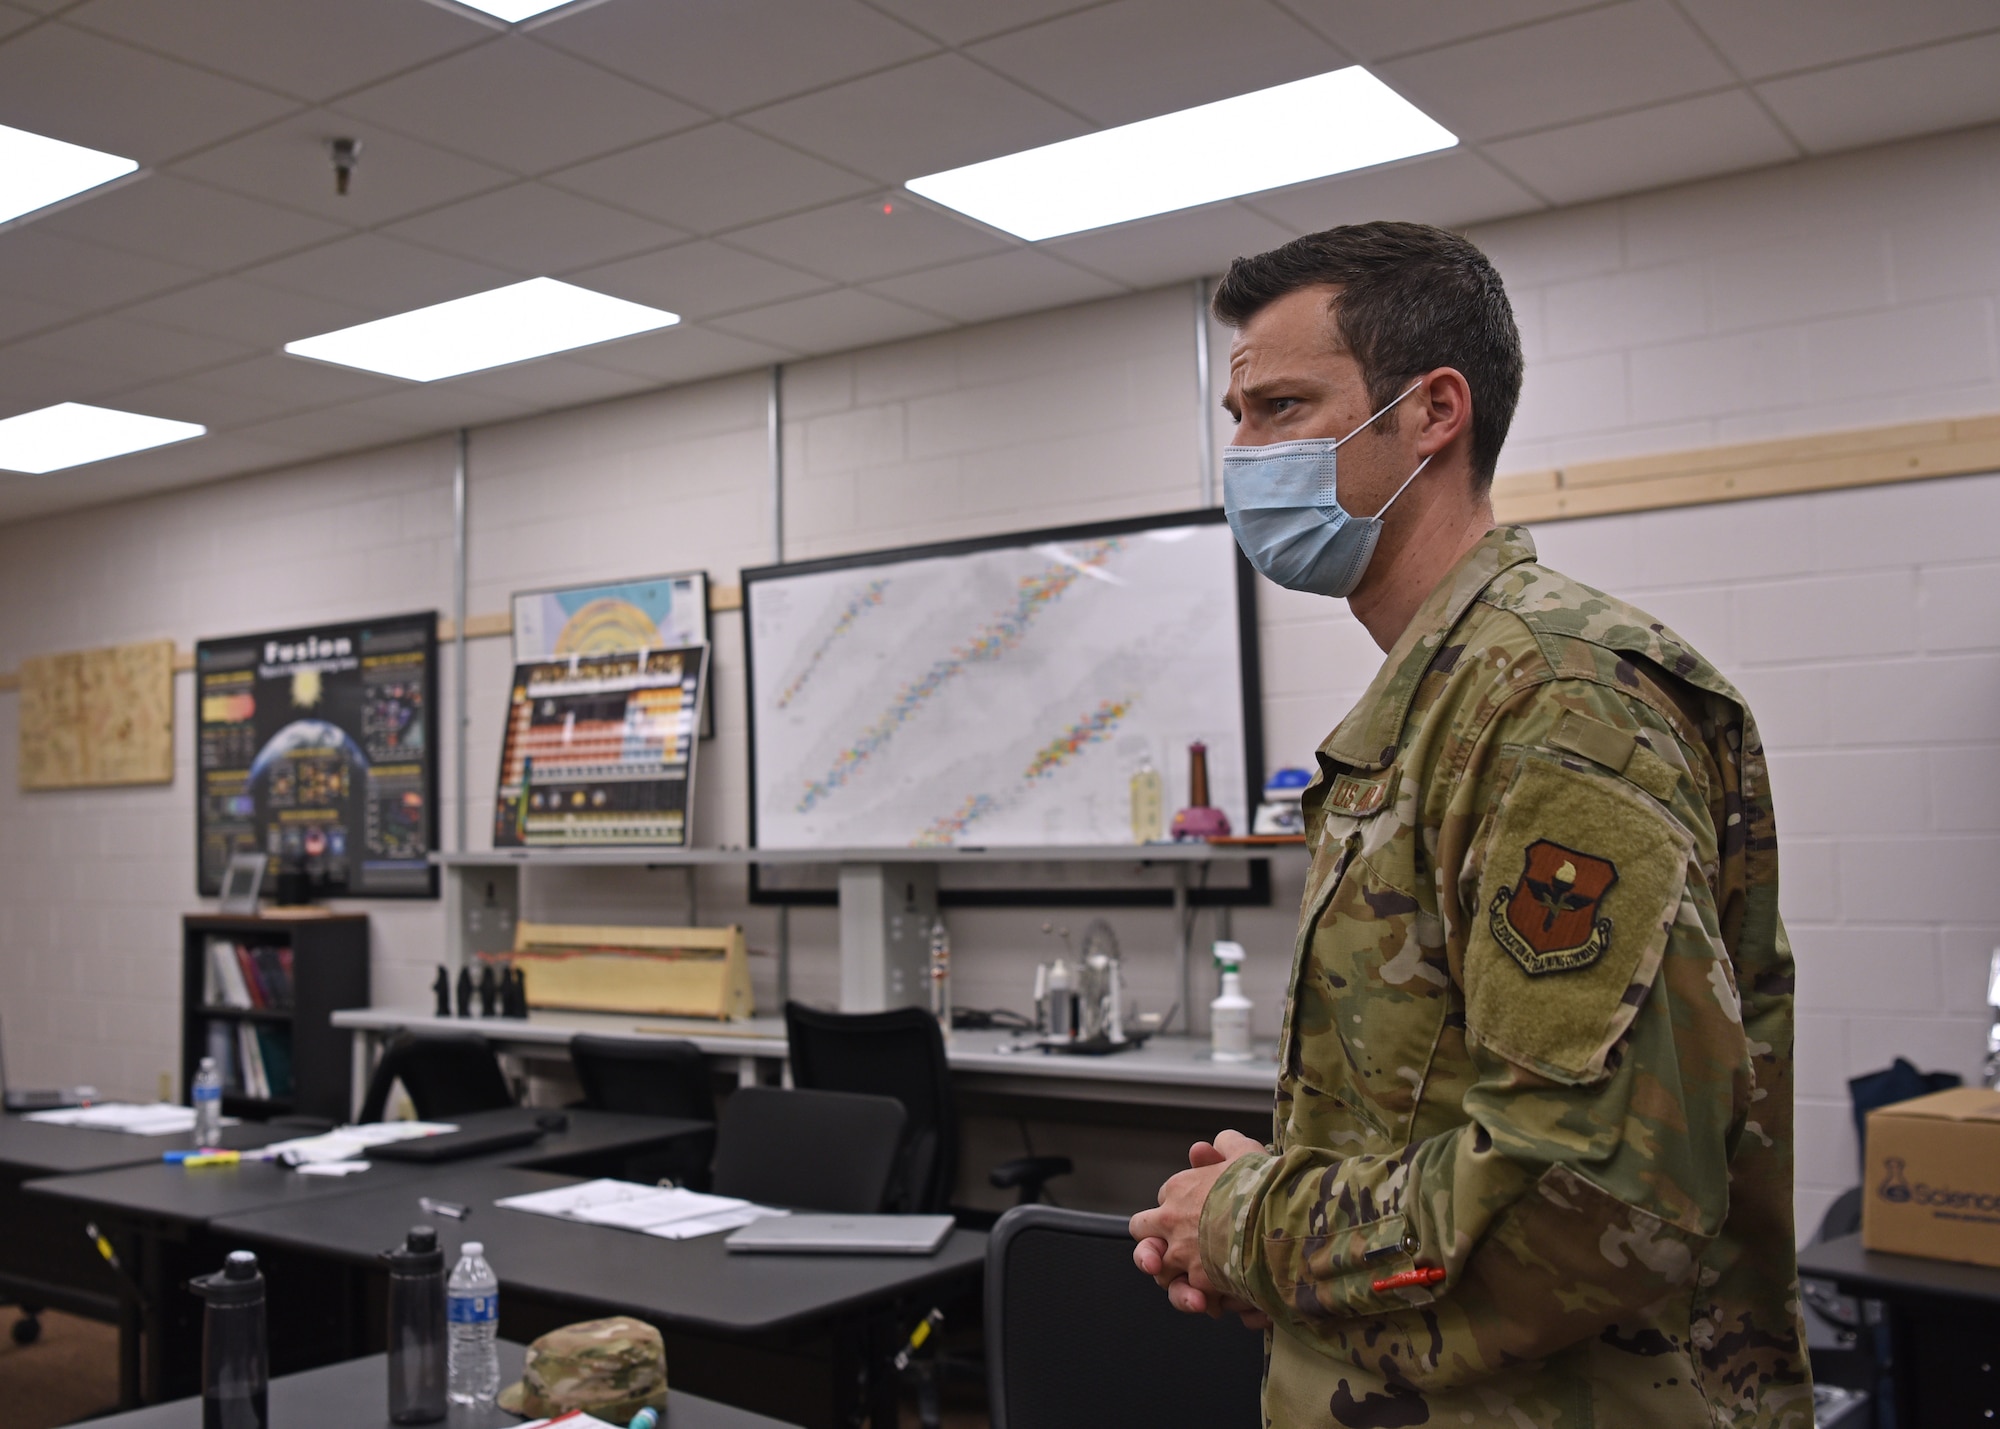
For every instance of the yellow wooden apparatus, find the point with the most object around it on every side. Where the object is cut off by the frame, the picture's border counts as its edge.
(659, 972)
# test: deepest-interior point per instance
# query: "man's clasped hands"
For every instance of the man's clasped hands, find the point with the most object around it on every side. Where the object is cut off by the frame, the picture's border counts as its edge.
(1169, 1238)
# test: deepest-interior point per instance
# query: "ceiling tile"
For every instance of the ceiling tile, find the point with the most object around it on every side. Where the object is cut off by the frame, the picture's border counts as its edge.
(21, 314)
(86, 89)
(1378, 29)
(868, 238)
(924, 117)
(1560, 71)
(1451, 190)
(728, 55)
(437, 407)
(956, 22)
(288, 163)
(520, 105)
(335, 429)
(189, 399)
(120, 353)
(1943, 87)
(273, 383)
(378, 274)
(1693, 138)
(207, 228)
(712, 178)
(248, 313)
(1019, 281)
(30, 379)
(534, 230)
(698, 280)
(554, 382)
(831, 322)
(1135, 59)
(1188, 244)
(1769, 37)
(304, 47)
(12, 19)
(40, 263)
(683, 354)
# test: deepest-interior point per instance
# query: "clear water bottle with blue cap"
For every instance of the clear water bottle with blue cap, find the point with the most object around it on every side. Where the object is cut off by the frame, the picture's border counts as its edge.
(207, 1091)
(473, 1307)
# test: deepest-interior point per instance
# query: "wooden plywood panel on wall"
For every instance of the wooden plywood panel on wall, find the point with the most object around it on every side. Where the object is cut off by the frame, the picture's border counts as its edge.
(94, 718)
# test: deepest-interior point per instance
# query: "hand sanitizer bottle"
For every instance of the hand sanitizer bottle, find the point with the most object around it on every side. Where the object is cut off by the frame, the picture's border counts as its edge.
(1229, 1014)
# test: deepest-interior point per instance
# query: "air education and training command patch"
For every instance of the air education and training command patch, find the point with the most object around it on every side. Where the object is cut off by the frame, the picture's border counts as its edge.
(1548, 921)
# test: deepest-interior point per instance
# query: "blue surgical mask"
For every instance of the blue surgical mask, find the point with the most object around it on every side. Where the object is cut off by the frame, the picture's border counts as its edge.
(1284, 505)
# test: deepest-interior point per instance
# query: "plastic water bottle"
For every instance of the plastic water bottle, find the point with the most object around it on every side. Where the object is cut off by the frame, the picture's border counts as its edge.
(473, 1305)
(207, 1104)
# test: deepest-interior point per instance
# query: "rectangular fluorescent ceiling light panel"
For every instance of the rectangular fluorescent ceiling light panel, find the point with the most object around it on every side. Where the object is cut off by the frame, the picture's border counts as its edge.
(514, 11)
(1289, 134)
(36, 171)
(490, 329)
(70, 434)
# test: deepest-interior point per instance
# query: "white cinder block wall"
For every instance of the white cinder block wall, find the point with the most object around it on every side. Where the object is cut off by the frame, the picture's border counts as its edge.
(1865, 626)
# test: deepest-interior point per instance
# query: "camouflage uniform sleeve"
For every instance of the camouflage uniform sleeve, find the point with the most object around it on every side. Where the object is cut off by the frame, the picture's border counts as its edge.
(1609, 1071)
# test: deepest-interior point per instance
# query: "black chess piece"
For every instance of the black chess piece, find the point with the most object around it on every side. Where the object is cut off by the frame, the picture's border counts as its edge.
(514, 993)
(465, 992)
(441, 989)
(489, 992)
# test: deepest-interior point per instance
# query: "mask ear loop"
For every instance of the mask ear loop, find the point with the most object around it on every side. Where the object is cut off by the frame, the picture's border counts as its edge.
(1377, 417)
(1404, 487)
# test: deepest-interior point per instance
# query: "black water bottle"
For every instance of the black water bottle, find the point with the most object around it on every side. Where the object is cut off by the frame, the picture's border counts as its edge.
(418, 1362)
(235, 1356)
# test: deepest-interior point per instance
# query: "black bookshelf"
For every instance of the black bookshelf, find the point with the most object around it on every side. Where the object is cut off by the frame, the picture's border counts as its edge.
(328, 970)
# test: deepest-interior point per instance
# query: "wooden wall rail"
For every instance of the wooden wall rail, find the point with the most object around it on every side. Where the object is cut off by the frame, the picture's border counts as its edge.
(1833, 461)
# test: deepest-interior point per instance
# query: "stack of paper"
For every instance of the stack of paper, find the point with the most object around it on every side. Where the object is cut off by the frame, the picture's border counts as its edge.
(349, 1142)
(153, 1119)
(665, 1211)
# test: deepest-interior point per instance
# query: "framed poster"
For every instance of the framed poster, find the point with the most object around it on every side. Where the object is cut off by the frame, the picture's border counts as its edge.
(599, 750)
(317, 748)
(651, 613)
(1001, 692)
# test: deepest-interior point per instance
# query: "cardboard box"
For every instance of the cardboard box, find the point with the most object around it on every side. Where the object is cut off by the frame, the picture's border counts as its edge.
(1932, 1186)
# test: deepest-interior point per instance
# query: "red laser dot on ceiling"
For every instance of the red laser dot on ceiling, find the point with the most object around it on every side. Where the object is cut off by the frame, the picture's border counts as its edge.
(888, 208)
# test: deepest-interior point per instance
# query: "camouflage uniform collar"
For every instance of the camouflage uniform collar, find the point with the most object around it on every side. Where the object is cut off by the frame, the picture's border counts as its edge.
(1368, 737)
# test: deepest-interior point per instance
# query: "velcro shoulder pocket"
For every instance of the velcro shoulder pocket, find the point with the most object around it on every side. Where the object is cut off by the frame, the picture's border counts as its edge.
(1582, 882)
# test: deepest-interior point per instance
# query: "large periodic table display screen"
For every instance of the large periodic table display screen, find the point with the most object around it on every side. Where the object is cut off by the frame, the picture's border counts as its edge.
(1002, 691)
(317, 747)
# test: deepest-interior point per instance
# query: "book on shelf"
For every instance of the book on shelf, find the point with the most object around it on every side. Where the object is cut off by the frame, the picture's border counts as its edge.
(274, 1056)
(254, 1084)
(225, 984)
(248, 975)
(221, 1042)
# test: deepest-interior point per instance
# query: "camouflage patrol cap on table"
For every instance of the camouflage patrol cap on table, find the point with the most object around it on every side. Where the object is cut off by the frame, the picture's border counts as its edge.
(608, 1367)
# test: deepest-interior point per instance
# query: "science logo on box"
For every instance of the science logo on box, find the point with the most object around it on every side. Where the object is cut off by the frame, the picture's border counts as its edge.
(1896, 1187)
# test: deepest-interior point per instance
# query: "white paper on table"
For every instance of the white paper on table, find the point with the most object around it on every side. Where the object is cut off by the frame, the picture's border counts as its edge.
(575, 1419)
(565, 1201)
(709, 1225)
(348, 1142)
(154, 1119)
(331, 1168)
(664, 1205)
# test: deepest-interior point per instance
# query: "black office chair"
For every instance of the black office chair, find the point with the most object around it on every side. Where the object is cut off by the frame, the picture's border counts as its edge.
(1076, 1338)
(655, 1078)
(446, 1074)
(811, 1151)
(663, 1078)
(900, 1054)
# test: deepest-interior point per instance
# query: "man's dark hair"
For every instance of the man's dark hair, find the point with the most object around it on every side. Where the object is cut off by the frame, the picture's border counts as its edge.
(1412, 298)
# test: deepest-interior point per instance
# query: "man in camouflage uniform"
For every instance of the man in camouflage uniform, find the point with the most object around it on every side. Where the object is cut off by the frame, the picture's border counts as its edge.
(1532, 1157)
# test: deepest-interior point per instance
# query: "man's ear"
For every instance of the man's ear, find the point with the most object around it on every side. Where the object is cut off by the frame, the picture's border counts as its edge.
(1444, 410)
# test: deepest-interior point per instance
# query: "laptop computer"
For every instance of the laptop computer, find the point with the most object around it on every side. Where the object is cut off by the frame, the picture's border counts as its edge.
(41, 1100)
(843, 1235)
